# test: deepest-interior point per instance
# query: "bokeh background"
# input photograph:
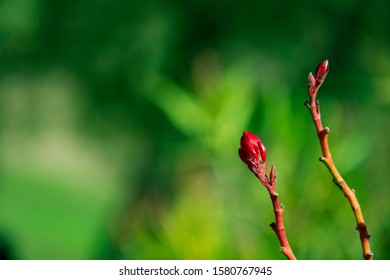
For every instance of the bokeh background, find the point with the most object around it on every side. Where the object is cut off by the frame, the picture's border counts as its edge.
(120, 123)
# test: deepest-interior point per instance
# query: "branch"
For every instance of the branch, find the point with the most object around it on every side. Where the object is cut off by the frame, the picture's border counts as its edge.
(315, 83)
(278, 225)
(252, 153)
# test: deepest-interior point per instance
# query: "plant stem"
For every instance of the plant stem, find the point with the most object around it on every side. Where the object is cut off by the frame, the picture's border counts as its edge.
(253, 153)
(326, 158)
(278, 227)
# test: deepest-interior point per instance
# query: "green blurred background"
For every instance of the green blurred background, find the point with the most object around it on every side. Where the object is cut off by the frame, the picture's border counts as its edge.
(120, 123)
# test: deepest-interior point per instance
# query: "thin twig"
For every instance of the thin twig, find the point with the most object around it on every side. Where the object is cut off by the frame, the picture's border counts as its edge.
(314, 84)
(278, 225)
(252, 152)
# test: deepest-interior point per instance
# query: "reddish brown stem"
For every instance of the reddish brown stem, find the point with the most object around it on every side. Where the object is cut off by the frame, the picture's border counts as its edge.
(327, 159)
(278, 227)
(252, 152)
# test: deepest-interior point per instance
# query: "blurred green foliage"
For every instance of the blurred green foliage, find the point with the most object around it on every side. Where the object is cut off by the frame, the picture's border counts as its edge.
(120, 123)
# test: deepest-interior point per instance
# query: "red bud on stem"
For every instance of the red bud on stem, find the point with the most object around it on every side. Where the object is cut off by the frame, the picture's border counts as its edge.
(321, 72)
(252, 151)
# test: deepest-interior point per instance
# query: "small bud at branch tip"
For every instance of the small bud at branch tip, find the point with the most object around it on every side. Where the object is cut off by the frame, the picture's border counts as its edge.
(252, 151)
(311, 79)
(321, 72)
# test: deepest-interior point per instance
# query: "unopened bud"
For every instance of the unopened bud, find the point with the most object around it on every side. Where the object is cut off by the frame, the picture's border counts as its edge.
(321, 72)
(272, 175)
(311, 79)
(252, 151)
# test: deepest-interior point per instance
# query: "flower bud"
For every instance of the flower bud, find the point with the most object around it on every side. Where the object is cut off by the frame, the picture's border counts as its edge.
(252, 151)
(272, 175)
(311, 79)
(321, 72)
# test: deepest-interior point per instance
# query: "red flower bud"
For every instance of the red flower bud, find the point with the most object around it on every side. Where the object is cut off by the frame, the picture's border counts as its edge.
(252, 151)
(321, 72)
